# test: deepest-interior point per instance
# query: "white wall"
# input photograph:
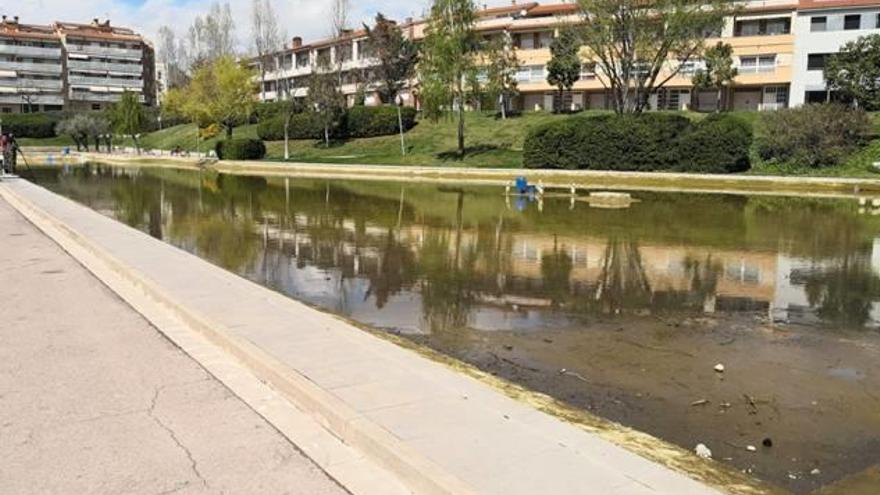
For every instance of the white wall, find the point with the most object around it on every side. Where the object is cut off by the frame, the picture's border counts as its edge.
(830, 41)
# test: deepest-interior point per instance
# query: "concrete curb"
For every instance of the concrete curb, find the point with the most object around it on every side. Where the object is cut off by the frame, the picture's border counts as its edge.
(416, 472)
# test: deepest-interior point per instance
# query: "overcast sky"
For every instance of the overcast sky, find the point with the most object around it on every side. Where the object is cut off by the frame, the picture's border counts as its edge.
(306, 18)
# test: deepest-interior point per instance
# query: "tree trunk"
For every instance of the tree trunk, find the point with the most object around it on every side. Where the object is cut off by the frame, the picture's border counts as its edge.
(461, 129)
(229, 128)
(137, 145)
(326, 136)
(503, 107)
(718, 99)
(287, 138)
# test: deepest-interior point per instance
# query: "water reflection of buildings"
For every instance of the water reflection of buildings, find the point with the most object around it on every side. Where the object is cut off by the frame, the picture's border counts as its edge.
(511, 291)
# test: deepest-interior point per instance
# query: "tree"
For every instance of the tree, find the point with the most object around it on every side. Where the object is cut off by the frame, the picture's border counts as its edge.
(127, 117)
(719, 72)
(632, 42)
(210, 37)
(339, 26)
(447, 56)
(501, 70)
(564, 68)
(267, 41)
(81, 127)
(325, 99)
(221, 92)
(855, 72)
(170, 55)
(396, 57)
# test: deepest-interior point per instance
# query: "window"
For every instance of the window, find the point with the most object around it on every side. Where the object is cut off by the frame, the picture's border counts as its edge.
(588, 72)
(96, 106)
(852, 21)
(670, 99)
(818, 23)
(760, 27)
(775, 97)
(877, 21)
(7, 110)
(757, 63)
(690, 67)
(816, 96)
(816, 61)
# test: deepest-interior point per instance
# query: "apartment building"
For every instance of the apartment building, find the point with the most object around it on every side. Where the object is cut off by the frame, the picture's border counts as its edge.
(31, 67)
(769, 43)
(72, 66)
(822, 27)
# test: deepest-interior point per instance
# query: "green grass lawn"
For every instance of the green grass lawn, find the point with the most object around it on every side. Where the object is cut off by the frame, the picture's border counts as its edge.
(490, 142)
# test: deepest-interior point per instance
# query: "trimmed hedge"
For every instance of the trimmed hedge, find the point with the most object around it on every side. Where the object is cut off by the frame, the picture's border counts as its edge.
(378, 121)
(719, 144)
(240, 149)
(31, 125)
(646, 142)
(358, 122)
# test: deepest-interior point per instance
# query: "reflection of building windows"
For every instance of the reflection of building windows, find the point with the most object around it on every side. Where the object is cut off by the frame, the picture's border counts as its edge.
(743, 273)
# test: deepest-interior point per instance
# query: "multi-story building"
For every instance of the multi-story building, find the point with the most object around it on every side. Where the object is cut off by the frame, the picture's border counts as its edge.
(31, 67)
(822, 27)
(72, 66)
(772, 43)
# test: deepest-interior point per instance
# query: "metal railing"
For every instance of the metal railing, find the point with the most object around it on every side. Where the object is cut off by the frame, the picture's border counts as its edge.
(104, 66)
(104, 51)
(31, 67)
(27, 84)
(30, 51)
(106, 81)
(35, 99)
(104, 97)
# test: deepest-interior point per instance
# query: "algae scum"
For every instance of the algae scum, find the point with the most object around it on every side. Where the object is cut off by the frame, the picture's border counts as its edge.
(623, 312)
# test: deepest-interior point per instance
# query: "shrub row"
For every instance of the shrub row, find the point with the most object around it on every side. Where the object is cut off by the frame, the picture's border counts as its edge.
(31, 125)
(357, 122)
(812, 135)
(646, 142)
(240, 149)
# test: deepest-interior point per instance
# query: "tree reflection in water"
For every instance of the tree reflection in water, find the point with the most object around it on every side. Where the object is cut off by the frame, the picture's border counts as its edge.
(845, 292)
(623, 284)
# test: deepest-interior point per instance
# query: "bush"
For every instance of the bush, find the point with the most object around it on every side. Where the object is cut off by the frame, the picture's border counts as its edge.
(305, 125)
(719, 144)
(606, 142)
(812, 135)
(240, 149)
(378, 121)
(647, 142)
(31, 125)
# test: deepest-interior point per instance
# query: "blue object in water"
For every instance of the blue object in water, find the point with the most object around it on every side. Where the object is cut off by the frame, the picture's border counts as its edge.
(522, 185)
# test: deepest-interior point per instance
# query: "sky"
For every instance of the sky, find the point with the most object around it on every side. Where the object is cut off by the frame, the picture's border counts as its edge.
(305, 18)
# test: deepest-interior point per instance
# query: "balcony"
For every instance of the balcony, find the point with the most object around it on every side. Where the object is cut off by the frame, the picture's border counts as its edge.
(32, 85)
(104, 67)
(103, 51)
(106, 81)
(30, 67)
(30, 51)
(99, 97)
(47, 99)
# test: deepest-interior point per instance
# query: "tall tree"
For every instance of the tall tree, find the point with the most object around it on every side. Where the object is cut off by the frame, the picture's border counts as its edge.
(564, 68)
(339, 10)
(170, 56)
(395, 54)
(632, 42)
(325, 98)
(127, 117)
(447, 56)
(221, 92)
(210, 36)
(266, 38)
(719, 72)
(502, 66)
(855, 71)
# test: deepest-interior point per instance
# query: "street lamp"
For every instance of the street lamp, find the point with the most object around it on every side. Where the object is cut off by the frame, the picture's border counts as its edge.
(399, 101)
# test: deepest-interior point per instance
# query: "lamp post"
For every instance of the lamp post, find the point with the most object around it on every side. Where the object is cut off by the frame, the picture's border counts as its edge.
(399, 101)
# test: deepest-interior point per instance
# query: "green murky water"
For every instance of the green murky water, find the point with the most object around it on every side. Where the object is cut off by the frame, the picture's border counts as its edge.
(639, 301)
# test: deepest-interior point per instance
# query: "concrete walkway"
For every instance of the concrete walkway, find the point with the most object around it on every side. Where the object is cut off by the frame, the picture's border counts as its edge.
(439, 430)
(94, 400)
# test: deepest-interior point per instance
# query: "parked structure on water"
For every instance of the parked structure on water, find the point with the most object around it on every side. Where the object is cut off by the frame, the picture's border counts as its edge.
(775, 52)
(72, 66)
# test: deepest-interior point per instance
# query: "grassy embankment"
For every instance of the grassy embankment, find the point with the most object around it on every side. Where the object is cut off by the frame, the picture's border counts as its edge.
(491, 143)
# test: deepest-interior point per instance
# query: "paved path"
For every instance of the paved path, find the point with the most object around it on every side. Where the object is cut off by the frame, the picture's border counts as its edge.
(94, 400)
(444, 431)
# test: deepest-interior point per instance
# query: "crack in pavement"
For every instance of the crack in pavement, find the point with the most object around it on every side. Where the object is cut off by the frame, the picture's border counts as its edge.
(193, 464)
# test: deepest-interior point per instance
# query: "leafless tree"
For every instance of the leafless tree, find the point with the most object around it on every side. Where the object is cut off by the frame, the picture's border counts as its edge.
(210, 36)
(266, 37)
(171, 58)
(339, 10)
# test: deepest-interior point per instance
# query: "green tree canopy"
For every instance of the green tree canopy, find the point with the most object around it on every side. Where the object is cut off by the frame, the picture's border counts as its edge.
(448, 53)
(325, 98)
(127, 117)
(396, 57)
(221, 92)
(855, 71)
(719, 71)
(564, 68)
(502, 66)
(633, 42)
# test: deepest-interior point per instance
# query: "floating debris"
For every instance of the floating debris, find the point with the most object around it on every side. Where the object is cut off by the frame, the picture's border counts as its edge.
(719, 368)
(751, 448)
(702, 451)
(701, 402)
